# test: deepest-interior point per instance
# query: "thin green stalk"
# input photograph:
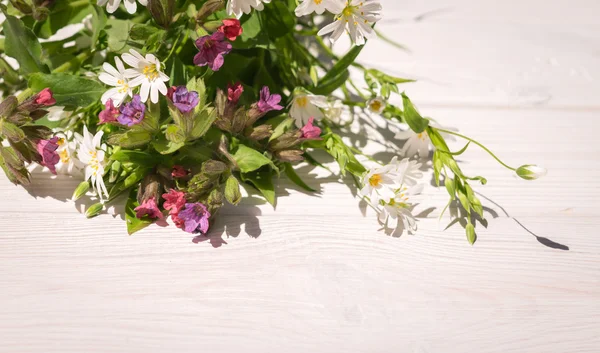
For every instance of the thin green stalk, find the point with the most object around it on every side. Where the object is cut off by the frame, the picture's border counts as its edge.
(390, 41)
(478, 144)
(80, 58)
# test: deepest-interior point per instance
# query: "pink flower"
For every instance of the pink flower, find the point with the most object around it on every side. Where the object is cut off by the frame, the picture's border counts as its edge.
(174, 201)
(310, 131)
(47, 150)
(170, 91)
(178, 172)
(109, 114)
(231, 28)
(149, 208)
(45, 98)
(212, 48)
(234, 92)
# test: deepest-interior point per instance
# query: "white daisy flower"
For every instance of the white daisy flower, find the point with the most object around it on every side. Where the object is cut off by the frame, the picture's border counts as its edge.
(113, 5)
(91, 153)
(409, 171)
(239, 7)
(67, 147)
(376, 105)
(319, 6)
(116, 78)
(381, 183)
(419, 143)
(357, 17)
(399, 209)
(306, 106)
(334, 111)
(147, 73)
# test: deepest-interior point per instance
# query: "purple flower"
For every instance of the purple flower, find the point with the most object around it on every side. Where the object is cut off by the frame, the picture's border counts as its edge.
(47, 149)
(268, 101)
(195, 217)
(185, 101)
(310, 131)
(133, 112)
(212, 49)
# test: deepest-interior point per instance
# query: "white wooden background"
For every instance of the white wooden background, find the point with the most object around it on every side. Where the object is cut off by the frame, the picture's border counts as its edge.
(522, 76)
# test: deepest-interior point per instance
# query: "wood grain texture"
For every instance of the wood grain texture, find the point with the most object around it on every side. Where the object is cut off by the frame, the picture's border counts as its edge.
(317, 275)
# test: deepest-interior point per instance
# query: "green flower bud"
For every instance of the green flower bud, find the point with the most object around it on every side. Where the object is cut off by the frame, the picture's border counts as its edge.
(162, 11)
(471, 235)
(94, 210)
(81, 189)
(290, 155)
(11, 131)
(531, 172)
(8, 106)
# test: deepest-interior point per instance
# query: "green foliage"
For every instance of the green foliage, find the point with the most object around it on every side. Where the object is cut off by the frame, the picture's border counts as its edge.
(68, 89)
(249, 159)
(21, 44)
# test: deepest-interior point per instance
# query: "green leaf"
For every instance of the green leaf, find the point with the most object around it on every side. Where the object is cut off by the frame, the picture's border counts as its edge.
(68, 89)
(338, 73)
(130, 139)
(249, 159)
(295, 178)
(98, 23)
(164, 146)
(63, 14)
(232, 190)
(263, 182)
(135, 157)
(416, 122)
(202, 122)
(174, 133)
(119, 40)
(134, 224)
(283, 126)
(21, 44)
(278, 20)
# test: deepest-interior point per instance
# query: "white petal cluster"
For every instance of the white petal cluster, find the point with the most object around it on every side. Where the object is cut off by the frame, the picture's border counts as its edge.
(113, 5)
(239, 7)
(145, 72)
(389, 189)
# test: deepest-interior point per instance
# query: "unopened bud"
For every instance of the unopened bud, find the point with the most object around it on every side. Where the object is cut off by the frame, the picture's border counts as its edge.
(209, 7)
(162, 11)
(471, 235)
(531, 172)
(260, 132)
(11, 131)
(81, 190)
(289, 155)
(285, 141)
(94, 210)
(8, 106)
(213, 168)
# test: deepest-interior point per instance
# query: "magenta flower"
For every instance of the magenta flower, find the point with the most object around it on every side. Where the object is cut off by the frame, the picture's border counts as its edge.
(268, 101)
(47, 150)
(212, 48)
(195, 218)
(148, 208)
(133, 112)
(109, 114)
(184, 101)
(234, 92)
(310, 131)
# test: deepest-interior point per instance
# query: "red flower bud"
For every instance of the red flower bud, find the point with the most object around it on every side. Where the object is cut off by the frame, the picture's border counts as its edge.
(45, 98)
(231, 28)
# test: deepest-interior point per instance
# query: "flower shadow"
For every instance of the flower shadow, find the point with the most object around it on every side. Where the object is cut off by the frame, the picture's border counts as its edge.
(229, 224)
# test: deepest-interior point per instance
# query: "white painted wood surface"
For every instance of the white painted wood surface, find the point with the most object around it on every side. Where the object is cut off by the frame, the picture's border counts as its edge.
(316, 275)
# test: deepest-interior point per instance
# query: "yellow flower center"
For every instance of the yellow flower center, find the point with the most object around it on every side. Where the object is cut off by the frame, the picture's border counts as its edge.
(422, 135)
(64, 156)
(375, 106)
(348, 11)
(302, 101)
(150, 72)
(375, 179)
(318, 2)
(60, 141)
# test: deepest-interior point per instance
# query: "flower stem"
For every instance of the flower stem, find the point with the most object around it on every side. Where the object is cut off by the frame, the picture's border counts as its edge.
(26, 93)
(81, 57)
(478, 144)
(390, 41)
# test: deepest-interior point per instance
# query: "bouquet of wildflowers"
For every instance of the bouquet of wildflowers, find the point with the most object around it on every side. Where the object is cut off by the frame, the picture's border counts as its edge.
(176, 103)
